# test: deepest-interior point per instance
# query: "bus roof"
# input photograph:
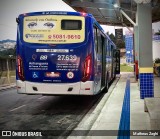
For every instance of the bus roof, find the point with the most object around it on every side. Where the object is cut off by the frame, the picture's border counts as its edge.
(67, 13)
(62, 13)
(56, 13)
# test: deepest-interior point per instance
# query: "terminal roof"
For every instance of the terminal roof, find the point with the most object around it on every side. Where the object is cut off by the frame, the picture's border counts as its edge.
(105, 12)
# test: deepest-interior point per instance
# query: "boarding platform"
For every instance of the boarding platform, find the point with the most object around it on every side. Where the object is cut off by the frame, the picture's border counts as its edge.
(152, 106)
(121, 109)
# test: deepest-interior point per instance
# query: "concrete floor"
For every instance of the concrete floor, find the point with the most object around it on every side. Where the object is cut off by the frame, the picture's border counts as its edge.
(109, 116)
(156, 86)
(108, 111)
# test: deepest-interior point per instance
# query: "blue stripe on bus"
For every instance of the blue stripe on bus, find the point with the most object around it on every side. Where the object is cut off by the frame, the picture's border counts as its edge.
(124, 126)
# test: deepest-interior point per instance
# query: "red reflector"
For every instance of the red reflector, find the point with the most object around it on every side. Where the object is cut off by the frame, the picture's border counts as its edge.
(87, 88)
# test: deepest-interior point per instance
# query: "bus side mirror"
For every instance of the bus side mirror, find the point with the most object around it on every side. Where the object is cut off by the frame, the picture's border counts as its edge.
(117, 60)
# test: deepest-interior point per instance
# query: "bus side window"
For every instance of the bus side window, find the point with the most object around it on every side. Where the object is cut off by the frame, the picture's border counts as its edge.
(107, 48)
(95, 39)
(99, 42)
(111, 52)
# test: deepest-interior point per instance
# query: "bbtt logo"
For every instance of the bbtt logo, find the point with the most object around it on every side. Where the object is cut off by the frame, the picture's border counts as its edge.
(6, 133)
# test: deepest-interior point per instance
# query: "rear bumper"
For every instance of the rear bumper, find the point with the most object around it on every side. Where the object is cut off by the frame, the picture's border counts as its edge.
(77, 88)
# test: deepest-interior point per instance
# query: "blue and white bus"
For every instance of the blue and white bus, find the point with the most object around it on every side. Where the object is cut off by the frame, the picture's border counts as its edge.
(63, 53)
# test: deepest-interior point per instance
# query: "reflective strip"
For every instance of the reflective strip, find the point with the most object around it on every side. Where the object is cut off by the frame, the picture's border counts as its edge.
(124, 126)
(146, 70)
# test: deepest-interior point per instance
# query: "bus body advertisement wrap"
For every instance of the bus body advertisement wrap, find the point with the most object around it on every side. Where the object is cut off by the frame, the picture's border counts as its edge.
(63, 54)
(47, 29)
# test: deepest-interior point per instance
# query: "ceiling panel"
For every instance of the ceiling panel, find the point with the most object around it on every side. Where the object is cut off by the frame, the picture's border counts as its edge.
(105, 13)
(108, 12)
(94, 11)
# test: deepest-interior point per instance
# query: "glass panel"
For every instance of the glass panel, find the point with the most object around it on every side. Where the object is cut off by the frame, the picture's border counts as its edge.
(71, 25)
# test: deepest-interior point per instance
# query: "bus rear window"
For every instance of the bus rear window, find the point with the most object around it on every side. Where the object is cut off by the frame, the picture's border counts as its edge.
(71, 24)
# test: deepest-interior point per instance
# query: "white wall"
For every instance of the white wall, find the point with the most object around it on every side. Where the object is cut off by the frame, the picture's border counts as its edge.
(156, 49)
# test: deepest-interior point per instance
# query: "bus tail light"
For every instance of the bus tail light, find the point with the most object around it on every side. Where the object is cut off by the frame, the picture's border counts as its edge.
(87, 68)
(20, 68)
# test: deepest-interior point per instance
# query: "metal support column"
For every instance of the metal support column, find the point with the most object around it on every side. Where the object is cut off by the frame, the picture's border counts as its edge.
(144, 15)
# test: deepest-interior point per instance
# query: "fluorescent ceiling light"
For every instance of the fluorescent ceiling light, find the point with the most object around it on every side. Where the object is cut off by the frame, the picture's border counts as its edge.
(115, 5)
